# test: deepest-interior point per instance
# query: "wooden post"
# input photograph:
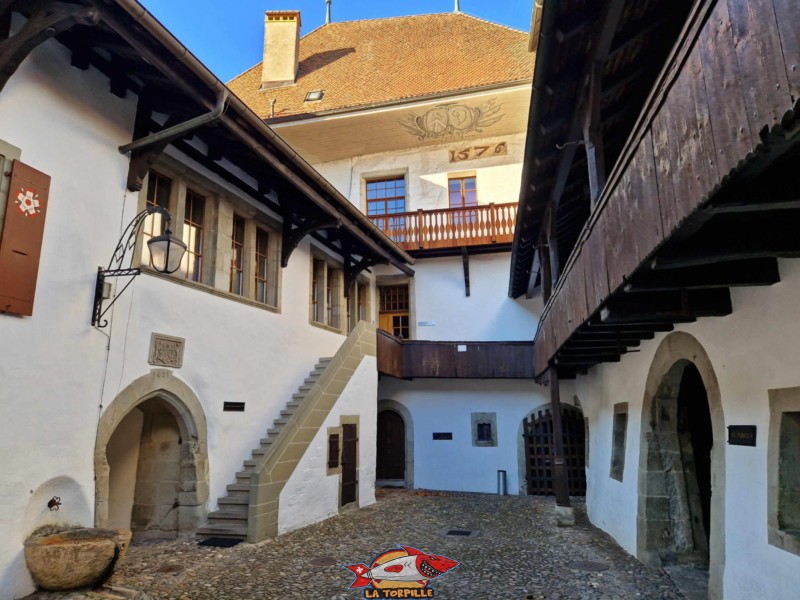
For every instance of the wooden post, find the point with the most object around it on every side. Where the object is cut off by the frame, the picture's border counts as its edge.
(544, 259)
(420, 224)
(593, 140)
(493, 226)
(564, 512)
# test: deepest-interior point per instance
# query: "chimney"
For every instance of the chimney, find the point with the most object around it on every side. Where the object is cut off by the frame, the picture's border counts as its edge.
(281, 48)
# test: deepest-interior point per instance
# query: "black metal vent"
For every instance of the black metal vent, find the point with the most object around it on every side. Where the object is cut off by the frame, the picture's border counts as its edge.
(233, 406)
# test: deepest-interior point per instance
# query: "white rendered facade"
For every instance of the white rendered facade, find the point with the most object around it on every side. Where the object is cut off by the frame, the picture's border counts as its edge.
(61, 378)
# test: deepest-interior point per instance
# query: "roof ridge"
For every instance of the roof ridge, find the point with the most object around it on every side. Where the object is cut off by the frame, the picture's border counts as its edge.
(487, 21)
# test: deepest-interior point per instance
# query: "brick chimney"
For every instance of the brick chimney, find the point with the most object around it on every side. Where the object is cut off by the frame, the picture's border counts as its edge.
(281, 48)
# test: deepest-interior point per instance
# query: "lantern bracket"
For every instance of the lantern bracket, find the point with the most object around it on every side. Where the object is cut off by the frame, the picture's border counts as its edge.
(125, 248)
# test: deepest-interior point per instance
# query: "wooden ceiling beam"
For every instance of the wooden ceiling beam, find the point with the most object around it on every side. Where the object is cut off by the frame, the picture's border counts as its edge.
(667, 306)
(755, 272)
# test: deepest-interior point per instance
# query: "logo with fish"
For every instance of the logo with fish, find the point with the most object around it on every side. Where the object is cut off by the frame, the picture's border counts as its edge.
(403, 572)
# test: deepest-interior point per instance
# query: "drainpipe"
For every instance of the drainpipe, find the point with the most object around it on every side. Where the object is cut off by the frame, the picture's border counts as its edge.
(177, 131)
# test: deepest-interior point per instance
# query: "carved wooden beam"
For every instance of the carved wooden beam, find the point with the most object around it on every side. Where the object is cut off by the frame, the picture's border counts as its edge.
(292, 234)
(45, 20)
(352, 268)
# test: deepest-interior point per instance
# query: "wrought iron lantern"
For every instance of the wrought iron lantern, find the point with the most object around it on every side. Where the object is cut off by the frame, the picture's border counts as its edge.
(166, 254)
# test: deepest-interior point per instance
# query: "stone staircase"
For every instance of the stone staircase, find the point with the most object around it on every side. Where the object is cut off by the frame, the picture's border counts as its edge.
(230, 521)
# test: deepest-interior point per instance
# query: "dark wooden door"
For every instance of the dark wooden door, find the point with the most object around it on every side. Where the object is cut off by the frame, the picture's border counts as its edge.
(391, 459)
(538, 434)
(349, 463)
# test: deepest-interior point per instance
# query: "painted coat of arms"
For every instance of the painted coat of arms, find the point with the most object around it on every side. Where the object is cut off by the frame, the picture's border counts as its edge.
(447, 121)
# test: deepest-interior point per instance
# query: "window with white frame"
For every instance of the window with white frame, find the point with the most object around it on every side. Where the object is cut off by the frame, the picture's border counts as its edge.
(231, 251)
(327, 293)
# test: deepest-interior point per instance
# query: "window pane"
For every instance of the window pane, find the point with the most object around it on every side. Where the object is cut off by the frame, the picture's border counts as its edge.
(262, 266)
(194, 216)
(237, 258)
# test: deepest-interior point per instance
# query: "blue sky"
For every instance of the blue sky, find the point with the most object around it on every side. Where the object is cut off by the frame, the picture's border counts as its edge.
(228, 35)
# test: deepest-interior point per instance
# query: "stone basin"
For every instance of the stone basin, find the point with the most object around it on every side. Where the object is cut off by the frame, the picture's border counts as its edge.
(75, 558)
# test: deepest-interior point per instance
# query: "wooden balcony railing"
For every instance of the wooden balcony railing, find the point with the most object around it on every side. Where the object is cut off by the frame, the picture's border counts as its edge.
(450, 227)
(408, 359)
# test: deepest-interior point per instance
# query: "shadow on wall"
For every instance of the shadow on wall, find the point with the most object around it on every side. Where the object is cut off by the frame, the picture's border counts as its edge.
(74, 510)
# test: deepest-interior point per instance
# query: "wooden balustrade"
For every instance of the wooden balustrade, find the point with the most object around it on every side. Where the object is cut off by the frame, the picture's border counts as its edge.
(408, 359)
(482, 225)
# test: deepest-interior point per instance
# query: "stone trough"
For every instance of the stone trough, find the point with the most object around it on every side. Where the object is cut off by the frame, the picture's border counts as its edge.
(74, 558)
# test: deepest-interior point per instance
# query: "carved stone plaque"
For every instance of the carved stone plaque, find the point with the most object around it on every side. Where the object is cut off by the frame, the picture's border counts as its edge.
(166, 351)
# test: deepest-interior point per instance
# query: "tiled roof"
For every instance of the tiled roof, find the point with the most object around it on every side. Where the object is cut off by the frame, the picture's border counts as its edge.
(361, 63)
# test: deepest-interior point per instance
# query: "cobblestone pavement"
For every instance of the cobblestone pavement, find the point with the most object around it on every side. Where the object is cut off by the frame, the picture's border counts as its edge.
(519, 553)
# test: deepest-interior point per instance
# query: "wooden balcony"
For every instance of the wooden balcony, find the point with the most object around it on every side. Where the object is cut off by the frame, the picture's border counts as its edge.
(488, 225)
(407, 359)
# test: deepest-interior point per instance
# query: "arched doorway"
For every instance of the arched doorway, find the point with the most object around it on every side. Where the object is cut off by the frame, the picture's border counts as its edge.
(151, 460)
(390, 462)
(681, 482)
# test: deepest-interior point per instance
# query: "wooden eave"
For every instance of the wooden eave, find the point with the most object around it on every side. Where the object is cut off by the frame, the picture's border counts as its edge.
(703, 198)
(139, 56)
(554, 177)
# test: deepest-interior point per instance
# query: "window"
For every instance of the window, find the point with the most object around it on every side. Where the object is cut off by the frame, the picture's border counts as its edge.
(484, 429)
(463, 195)
(463, 192)
(229, 247)
(618, 440)
(783, 470)
(159, 191)
(358, 305)
(262, 267)
(394, 310)
(332, 293)
(327, 291)
(388, 197)
(237, 256)
(193, 224)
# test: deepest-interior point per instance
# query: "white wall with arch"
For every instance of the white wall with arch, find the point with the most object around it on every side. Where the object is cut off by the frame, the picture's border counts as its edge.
(752, 351)
(446, 406)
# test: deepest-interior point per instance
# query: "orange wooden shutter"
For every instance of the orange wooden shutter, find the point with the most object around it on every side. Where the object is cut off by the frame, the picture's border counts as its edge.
(21, 245)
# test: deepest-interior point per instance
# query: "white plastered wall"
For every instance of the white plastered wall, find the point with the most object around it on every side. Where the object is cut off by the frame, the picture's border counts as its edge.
(427, 169)
(311, 494)
(443, 312)
(752, 350)
(68, 126)
(58, 373)
(446, 406)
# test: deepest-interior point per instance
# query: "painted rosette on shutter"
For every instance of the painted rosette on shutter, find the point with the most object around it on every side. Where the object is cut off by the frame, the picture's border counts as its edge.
(21, 244)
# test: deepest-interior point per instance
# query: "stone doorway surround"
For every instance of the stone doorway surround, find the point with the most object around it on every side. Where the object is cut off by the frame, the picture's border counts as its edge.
(184, 405)
(409, 425)
(674, 354)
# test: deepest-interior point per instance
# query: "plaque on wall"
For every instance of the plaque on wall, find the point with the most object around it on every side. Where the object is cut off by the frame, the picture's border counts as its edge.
(443, 436)
(742, 435)
(166, 351)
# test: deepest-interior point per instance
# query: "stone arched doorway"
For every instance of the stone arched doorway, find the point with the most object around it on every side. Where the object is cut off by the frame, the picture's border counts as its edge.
(394, 460)
(681, 470)
(151, 458)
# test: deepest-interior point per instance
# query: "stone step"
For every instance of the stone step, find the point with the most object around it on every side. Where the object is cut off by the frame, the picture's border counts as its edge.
(260, 451)
(250, 463)
(266, 441)
(274, 431)
(305, 388)
(224, 531)
(280, 422)
(297, 400)
(238, 488)
(287, 413)
(244, 477)
(244, 499)
(226, 516)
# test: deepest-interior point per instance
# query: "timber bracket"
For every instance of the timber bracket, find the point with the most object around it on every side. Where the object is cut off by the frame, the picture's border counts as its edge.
(45, 19)
(293, 233)
(353, 267)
